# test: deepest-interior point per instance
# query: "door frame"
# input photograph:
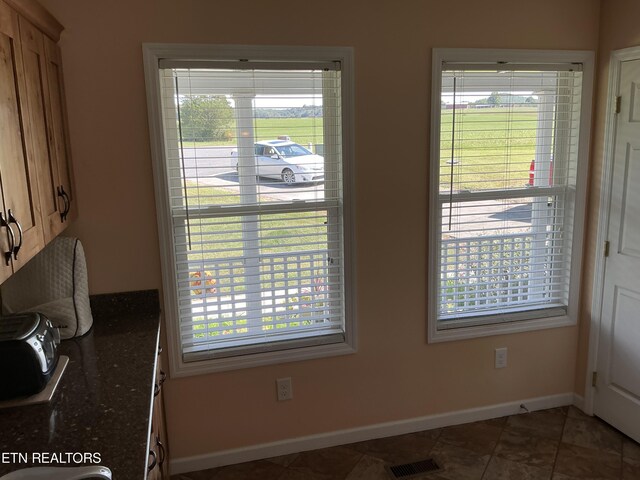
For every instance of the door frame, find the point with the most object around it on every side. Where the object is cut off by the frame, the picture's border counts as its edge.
(595, 321)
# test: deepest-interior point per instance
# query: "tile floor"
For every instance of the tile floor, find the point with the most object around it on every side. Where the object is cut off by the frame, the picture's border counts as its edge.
(556, 444)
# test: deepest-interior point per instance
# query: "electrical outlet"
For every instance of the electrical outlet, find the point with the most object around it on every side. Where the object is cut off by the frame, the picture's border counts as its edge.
(283, 386)
(501, 357)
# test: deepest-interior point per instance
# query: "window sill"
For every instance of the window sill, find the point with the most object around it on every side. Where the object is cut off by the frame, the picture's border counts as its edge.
(186, 369)
(464, 333)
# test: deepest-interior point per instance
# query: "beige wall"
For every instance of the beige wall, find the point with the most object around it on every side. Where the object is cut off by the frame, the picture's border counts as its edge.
(395, 374)
(619, 28)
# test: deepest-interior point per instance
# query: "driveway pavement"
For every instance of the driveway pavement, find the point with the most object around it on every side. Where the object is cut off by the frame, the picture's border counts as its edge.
(215, 166)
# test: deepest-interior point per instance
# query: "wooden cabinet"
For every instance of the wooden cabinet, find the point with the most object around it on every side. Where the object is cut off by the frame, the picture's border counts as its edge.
(47, 128)
(21, 231)
(35, 163)
(159, 459)
(60, 150)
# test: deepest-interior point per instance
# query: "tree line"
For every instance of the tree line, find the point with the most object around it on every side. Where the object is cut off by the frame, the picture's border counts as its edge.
(306, 111)
(497, 98)
(205, 118)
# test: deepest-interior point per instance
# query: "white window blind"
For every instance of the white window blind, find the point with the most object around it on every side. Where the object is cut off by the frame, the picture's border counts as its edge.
(508, 160)
(254, 169)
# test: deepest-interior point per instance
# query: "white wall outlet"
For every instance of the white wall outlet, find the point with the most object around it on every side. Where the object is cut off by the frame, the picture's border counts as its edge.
(283, 386)
(501, 357)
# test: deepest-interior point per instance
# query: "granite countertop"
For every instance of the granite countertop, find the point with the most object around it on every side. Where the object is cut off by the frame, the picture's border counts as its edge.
(103, 401)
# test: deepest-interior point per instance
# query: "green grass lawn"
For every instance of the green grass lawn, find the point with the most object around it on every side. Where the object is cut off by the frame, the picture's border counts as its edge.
(225, 233)
(494, 149)
(301, 130)
(486, 138)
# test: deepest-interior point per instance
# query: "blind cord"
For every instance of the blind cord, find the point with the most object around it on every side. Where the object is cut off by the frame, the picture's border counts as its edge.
(453, 136)
(184, 172)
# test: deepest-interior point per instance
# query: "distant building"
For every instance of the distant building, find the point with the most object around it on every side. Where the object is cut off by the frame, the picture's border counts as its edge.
(459, 106)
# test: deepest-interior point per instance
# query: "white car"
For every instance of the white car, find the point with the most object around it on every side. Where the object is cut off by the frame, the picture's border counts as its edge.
(287, 161)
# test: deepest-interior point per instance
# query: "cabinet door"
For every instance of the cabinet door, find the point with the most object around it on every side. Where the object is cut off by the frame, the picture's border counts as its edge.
(59, 130)
(158, 422)
(40, 128)
(154, 473)
(18, 172)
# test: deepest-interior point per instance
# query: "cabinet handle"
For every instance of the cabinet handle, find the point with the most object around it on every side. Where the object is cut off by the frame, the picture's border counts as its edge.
(65, 199)
(163, 453)
(16, 248)
(154, 462)
(163, 377)
(59, 190)
(12, 239)
(68, 202)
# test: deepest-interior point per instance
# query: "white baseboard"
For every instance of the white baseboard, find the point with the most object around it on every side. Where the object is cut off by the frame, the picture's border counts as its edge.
(578, 402)
(387, 429)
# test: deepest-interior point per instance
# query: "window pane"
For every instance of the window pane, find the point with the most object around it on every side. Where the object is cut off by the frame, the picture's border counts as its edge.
(502, 255)
(511, 130)
(255, 179)
(507, 178)
(259, 134)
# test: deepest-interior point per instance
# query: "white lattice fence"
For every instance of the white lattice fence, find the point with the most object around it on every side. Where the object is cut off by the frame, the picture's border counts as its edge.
(290, 291)
(487, 271)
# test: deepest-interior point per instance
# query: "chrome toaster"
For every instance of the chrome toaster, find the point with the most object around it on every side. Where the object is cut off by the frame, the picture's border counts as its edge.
(28, 354)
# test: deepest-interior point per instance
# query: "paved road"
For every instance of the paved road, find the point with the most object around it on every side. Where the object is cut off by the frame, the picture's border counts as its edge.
(216, 167)
(207, 161)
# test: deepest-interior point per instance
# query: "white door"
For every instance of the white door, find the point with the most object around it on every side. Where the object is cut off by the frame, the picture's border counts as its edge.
(617, 396)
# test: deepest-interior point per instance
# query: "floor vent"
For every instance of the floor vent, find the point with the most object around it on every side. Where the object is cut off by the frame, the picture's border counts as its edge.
(411, 470)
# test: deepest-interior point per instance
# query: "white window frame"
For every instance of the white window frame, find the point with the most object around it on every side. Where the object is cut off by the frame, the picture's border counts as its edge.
(525, 322)
(152, 54)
